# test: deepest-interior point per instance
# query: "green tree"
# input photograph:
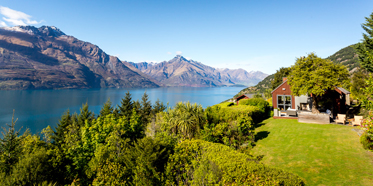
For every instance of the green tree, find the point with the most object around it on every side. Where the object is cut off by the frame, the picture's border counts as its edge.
(186, 120)
(10, 148)
(146, 109)
(281, 73)
(106, 108)
(126, 106)
(64, 122)
(85, 114)
(358, 82)
(158, 107)
(313, 75)
(365, 48)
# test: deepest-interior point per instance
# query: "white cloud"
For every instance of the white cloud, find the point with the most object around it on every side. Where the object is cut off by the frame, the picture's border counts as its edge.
(3, 24)
(179, 52)
(169, 53)
(15, 17)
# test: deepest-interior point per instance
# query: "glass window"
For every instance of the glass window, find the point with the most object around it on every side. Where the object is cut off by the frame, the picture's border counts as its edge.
(283, 102)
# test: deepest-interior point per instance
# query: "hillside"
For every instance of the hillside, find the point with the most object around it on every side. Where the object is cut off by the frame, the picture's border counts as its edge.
(180, 71)
(261, 87)
(47, 58)
(346, 56)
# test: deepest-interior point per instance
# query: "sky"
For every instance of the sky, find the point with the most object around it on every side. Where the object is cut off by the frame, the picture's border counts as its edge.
(250, 34)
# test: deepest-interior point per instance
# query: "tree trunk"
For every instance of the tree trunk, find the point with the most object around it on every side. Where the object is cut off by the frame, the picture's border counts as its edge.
(314, 105)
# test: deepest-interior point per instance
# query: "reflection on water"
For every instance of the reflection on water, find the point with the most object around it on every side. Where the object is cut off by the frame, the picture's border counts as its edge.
(36, 109)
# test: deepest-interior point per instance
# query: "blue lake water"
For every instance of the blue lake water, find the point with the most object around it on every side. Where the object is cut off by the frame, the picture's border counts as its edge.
(36, 109)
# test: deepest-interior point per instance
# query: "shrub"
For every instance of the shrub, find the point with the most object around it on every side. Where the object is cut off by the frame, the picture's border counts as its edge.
(197, 162)
(367, 138)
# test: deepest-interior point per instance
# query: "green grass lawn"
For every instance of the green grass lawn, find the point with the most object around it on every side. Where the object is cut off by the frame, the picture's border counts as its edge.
(321, 154)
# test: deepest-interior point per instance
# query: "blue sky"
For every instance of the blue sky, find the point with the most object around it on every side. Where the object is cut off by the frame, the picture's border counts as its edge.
(253, 35)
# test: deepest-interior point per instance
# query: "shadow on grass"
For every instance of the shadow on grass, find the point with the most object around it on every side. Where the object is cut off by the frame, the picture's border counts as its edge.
(257, 125)
(261, 135)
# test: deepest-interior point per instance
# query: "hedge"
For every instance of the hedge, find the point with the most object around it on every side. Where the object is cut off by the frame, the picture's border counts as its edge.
(197, 162)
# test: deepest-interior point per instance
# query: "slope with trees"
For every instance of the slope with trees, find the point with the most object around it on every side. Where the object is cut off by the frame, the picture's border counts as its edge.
(147, 145)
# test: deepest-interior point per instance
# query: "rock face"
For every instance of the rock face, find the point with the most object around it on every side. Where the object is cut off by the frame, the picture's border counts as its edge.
(182, 72)
(46, 58)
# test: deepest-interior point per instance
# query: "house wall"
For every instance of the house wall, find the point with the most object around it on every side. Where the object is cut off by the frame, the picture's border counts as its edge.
(300, 99)
(283, 89)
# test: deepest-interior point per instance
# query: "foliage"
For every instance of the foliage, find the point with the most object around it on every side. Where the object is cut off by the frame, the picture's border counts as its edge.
(233, 128)
(358, 82)
(365, 48)
(125, 109)
(197, 162)
(106, 108)
(113, 149)
(346, 56)
(279, 75)
(367, 138)
(10, 148)
(367, 92)
(184, 121)
(313, 75)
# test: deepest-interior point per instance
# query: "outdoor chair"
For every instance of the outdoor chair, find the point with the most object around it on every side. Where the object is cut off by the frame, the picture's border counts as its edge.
(358, 120)
(341, 118)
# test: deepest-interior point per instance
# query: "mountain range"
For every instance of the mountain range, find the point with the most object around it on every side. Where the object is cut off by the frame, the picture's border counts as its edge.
(47, 58)
(180, 71)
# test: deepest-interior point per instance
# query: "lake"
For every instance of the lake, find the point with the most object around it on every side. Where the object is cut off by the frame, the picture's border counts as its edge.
(36, 109)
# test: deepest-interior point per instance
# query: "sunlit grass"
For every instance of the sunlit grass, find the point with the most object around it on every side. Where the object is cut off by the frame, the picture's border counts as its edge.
(322, 154)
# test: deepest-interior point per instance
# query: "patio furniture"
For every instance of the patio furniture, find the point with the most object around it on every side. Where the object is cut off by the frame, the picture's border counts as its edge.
(358, 120)
(341, 118)
(291, 112)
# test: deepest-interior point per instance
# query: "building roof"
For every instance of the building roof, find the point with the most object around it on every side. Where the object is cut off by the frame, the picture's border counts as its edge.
(247, 95)
(344, 91)
(339, 89)
(279, 86)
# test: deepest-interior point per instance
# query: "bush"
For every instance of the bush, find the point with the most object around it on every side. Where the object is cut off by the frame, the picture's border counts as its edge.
(367, 138)
(197, 162)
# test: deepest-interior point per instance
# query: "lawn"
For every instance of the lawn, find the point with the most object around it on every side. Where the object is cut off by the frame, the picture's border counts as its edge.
(321, 154)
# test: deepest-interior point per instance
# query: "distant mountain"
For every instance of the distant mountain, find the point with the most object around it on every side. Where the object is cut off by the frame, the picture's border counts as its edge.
(182, 72)
(47, 58)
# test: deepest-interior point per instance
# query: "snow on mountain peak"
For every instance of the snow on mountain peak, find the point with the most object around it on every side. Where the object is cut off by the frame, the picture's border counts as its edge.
(44, 30)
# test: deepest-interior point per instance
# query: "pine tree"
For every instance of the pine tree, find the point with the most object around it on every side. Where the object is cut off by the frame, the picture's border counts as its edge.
(365, 48)
(61, 128)
(85, 114)
(146, 109)
(158, 107)
(125, 109)
(106, 108)
(10, 148)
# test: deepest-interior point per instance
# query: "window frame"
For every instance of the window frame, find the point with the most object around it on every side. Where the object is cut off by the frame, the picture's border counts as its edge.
(284, 105)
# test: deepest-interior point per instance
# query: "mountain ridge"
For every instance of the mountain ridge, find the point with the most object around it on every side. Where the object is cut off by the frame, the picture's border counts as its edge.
(180, 71)
(46, 58)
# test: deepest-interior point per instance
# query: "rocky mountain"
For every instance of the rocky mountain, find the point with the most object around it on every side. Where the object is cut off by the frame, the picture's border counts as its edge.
(180, 71)
(47, 58)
